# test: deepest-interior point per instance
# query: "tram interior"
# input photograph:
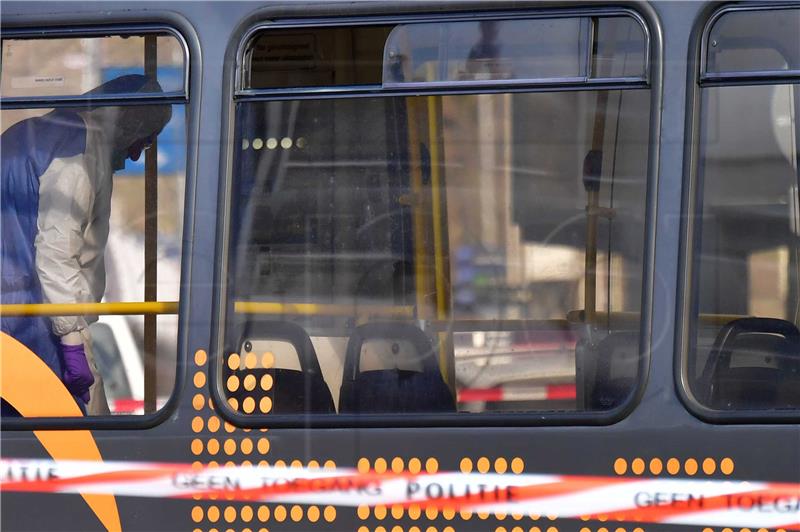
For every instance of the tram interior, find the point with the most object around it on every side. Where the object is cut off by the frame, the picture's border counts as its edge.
(427, 254)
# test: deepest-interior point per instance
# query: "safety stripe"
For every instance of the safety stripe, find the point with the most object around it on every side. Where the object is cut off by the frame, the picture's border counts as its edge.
(702, 502)
(549, 392)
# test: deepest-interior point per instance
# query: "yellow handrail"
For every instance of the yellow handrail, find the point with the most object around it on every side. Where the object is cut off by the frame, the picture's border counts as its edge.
(304, 309)
(81, 309)
(322, 309)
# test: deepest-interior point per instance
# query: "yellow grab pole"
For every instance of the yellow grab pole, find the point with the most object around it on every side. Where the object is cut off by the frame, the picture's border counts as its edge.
(441, 252)
(418, 204)
(83, 309)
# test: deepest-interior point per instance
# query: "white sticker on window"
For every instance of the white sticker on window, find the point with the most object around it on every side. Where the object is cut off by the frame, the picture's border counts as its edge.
(33, 82)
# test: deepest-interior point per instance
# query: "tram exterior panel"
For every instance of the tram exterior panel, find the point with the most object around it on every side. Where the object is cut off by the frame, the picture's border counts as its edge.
(542, 215)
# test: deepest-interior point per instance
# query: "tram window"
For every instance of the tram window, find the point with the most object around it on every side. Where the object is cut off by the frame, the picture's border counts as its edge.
(92, 205)
(487, 49)
(74, 66)
(513, 51)
(316, 57)
(433, 249)
(755, 41)
(745, 352)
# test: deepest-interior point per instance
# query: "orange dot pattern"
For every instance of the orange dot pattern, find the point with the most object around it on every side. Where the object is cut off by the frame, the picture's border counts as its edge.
(398, 528)
(485, 464)
(231, 448)
(397, 465)
(248, 387)
(673, 466)
(414, 465)
(246, 514)
(708, 529)
(532, 529)
(611, 529)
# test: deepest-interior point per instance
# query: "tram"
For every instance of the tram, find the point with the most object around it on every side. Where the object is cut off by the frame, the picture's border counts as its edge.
(402, 266)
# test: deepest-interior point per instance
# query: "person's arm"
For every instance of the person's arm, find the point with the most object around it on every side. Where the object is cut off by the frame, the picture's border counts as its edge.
(65, 202)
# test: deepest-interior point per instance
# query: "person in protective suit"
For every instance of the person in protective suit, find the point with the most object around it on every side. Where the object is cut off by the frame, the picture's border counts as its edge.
(56, 204)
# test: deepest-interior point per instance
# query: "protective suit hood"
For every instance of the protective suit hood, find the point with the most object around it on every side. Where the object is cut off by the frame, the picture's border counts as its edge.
(122, 126)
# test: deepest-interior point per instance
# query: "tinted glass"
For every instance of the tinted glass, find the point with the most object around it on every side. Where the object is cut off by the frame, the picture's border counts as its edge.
(92, 210)
(74, 66)
(748, 251)
(428, 254)
(752, 41)
(621, 48)
(514, 50)
(315, 57)
(486, 50)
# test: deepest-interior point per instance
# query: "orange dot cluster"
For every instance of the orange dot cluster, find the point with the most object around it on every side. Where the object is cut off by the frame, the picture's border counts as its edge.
(520, 529)
(674, 466)
(398, 528)
(741, 530)
(249, 515)
(397, 511)
(416, 512)
(256, 399)
(616, 529)
(484, 464)
(215, 440)
(397, 465)
(415, 465)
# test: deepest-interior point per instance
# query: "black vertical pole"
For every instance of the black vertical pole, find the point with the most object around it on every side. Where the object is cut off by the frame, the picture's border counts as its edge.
(150, 242)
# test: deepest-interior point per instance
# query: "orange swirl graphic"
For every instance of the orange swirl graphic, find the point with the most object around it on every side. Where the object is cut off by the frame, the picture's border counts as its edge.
(31, 387)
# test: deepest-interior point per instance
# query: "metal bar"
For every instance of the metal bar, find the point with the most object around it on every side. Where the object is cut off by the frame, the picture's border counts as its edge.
(265, 307)
(590, 262)
(592, 174)
(322, 309)
(441, 252)
(76, 31)
(419, 203)
(773, 76)
(46, 102)
(82, 309)
(441, 268)
(421, 89)
(150, 241)
(634, 318)
(794, 263)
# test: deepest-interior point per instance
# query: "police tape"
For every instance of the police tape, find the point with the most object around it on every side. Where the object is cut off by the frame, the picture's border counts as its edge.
(681, 501)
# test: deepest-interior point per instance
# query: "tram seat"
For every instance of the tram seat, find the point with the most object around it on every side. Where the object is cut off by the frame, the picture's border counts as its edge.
(609, 394)
(616, 371)
(292, 391)
(754, 364)
(393, 390)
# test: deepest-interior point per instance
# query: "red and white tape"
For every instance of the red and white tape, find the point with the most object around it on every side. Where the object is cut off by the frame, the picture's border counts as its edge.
(549, 392)
(700, 502)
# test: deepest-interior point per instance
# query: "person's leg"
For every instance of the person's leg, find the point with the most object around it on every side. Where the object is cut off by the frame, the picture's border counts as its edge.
(98, 404)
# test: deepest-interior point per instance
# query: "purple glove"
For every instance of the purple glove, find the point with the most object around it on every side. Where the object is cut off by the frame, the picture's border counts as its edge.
(77, 375)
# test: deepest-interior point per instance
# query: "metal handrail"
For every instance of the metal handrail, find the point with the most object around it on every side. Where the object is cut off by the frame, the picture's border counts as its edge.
(81, 309)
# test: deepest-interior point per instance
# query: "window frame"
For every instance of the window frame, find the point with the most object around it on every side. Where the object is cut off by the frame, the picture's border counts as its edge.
(99, 25)
(235, 95)
(699, 79)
